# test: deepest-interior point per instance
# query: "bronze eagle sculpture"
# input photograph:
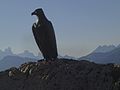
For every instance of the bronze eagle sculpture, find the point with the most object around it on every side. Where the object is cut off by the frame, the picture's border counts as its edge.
(44, 35)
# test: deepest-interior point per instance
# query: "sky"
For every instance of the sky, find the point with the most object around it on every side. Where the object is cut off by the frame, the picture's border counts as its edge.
(80, 25)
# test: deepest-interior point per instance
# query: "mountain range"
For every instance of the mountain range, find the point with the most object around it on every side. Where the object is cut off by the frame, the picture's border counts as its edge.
(13, 61)
(8, 52)
(9, 59)
(104, 48)
(104, 54)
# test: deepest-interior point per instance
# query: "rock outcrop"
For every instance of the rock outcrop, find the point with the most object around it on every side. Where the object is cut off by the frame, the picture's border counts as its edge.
(61, 74)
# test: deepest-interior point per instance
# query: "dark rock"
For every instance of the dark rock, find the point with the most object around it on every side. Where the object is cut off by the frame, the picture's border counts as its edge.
(61, 75)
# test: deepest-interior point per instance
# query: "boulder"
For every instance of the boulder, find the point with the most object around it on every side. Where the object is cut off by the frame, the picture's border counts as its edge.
(62, 74)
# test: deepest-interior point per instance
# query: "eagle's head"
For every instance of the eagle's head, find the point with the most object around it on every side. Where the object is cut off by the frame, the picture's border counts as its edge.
(37, 12)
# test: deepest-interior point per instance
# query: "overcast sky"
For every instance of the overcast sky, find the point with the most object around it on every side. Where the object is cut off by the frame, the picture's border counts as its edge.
(80, 25)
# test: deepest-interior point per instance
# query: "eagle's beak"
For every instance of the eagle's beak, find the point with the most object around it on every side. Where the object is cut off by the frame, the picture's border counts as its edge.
(33, 13)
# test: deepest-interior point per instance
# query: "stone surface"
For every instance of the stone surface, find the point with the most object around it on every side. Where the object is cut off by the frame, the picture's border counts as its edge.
(61, 75)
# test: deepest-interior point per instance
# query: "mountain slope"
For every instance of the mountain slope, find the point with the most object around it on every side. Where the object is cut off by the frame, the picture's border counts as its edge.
(28, 54)
(13, 61)
(104, 49)
(112, 56)
(5, 53)
(24, 54)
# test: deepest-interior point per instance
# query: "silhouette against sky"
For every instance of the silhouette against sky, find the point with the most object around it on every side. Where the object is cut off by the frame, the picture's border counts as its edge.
(80, 25)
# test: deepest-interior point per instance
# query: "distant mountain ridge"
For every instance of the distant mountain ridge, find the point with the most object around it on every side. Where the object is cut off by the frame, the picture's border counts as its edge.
(13, 61)
(9, 59)
(104, 48)
(5, 53)
(8, 52)
(111, 55)
(28, 54)
(102, 54)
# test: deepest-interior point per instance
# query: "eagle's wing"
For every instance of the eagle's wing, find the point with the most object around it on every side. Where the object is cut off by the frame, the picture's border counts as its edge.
(36, 32)
(52, 39)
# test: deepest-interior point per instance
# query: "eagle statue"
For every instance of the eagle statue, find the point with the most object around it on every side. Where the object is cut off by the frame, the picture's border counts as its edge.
(44, 35)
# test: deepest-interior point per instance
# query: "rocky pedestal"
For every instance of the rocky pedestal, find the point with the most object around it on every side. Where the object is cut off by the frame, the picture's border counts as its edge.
(61, 74)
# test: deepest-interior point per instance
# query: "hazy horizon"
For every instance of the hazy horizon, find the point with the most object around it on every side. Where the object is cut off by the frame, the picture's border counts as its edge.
(80, 25)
